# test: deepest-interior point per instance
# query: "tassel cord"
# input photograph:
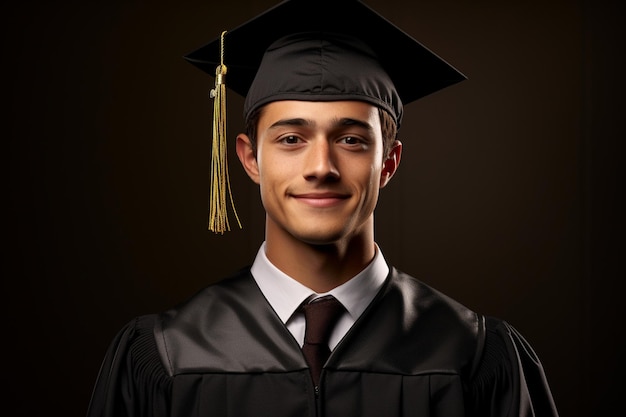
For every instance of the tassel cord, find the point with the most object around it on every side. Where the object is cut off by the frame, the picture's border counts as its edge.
(220, 180)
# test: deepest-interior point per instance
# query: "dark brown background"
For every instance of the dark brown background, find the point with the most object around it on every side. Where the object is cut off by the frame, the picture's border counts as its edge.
(507, 197)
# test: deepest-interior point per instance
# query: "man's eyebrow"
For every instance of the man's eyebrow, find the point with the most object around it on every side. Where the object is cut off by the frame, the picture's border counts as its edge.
(291, 122)
(347, 121)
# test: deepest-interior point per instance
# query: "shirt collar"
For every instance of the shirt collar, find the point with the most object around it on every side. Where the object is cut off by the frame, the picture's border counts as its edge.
(285, 294)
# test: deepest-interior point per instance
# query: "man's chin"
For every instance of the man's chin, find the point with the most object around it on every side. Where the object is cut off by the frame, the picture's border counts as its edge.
(321, 237)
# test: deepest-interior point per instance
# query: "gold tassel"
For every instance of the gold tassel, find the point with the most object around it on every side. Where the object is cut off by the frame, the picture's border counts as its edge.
(220, 181)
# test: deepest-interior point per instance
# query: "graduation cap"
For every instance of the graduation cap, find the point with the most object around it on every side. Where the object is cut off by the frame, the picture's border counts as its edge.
(313, 50)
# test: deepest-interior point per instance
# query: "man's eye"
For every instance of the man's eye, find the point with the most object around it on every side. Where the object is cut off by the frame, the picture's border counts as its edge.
(290, 140)
(351, 140)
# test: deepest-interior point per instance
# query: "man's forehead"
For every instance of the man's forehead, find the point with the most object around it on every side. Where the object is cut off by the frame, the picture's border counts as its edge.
(319, 114)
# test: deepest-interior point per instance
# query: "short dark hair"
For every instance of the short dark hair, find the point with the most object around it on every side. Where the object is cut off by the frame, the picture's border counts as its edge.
(388, 127)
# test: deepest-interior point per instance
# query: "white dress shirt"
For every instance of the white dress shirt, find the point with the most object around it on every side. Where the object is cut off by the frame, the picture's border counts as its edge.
(285, 294)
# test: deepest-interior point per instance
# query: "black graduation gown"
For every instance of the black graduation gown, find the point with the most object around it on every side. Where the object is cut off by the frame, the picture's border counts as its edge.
(413, 352)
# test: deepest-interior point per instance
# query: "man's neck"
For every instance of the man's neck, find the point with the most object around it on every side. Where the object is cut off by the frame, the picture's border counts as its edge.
(320, 267)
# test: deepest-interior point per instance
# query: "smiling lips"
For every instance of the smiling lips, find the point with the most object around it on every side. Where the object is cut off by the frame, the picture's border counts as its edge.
(321, 200)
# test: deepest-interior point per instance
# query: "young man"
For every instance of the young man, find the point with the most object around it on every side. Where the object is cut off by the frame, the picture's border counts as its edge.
(320, 325)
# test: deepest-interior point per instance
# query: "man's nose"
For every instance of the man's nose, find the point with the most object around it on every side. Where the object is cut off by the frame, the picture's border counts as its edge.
(320, 161)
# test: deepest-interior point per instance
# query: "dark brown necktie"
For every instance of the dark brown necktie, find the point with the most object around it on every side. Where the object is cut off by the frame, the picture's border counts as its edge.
(321, 315)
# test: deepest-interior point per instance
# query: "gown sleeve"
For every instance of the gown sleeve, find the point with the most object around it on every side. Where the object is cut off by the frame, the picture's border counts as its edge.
(132, 382)
(510, 381)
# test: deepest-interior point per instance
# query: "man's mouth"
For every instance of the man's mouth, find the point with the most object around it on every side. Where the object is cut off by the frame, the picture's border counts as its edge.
(321, 199)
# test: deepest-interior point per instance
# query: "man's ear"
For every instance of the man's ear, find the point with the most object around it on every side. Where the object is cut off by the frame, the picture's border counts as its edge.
(390, 165)
(247, 156)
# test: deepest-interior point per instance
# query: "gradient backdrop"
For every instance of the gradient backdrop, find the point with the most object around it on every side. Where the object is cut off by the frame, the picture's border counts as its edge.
(507, 198)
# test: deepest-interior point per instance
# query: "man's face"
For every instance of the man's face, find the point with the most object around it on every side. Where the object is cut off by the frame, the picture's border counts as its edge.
(320, 167)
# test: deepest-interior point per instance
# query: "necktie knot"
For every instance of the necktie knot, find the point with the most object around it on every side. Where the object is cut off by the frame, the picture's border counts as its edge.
(321, 316)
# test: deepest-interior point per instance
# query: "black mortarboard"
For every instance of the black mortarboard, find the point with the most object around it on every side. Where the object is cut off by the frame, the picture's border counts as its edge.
(414, 70)
(318, 50)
